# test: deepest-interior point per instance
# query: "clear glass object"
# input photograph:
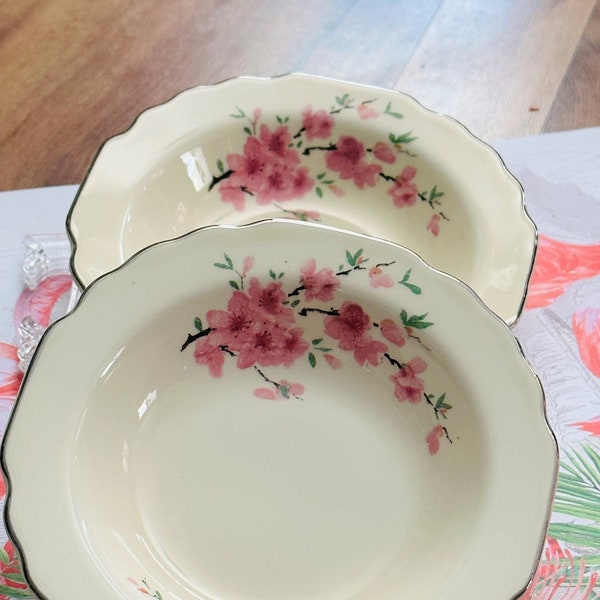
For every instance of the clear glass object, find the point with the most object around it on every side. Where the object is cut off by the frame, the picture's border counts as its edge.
(45, 255)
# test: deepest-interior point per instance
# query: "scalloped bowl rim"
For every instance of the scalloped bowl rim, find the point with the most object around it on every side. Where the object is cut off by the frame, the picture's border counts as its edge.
(516, 449)
(97, 217)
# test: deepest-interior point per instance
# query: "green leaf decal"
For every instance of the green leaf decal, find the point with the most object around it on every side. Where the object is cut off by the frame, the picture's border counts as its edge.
(415, 289)
(415, 321)
(240, 114)
(403, 138)
(312, 359)
(198, 323)
(227, 265)
(234, 285)
(388, 111)
(353, 258)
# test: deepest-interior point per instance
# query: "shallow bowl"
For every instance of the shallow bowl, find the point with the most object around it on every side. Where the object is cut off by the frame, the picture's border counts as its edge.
(303, 147)
(279, 411)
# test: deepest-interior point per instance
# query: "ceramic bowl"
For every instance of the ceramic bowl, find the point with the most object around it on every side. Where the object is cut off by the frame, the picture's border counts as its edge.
(279, 411)
(351, 156)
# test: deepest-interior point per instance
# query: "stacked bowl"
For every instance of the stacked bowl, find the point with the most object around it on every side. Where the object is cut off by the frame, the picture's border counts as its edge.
(290, 374)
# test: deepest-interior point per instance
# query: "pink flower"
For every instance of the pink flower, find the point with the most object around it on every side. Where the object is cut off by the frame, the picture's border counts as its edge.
(334, 189)
(333, 361)
(282, 391)
(212, 356)
(377, 278)
(586, 327)
(434, 224)
(392, 332)
(404, 192)
(270, 345)
(367, 350)
(247, 265)
(347, 159)
(407, 386)
(433, 439)
(233, 194)
(268, 170)
(367, 111)
(233, 326)
(319, 285)
(269, 299)
(256, 327)
(384, 153)
(350, 327)
(316, 124)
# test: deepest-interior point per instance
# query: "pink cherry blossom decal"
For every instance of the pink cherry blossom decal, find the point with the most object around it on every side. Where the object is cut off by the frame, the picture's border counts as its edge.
(265, 321)
(309, 155)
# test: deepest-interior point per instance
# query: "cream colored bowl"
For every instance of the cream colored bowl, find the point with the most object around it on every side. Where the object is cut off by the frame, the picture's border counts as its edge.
(302, 147)
(279, 411)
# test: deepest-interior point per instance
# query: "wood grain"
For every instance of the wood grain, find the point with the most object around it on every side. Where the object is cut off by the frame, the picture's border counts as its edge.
(577, 103)
(74, 73)
(509, 57)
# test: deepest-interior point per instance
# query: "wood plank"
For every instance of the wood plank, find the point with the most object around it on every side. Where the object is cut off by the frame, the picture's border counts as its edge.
(77, 73)
(496, 66)
(577, 102)
(370, 42)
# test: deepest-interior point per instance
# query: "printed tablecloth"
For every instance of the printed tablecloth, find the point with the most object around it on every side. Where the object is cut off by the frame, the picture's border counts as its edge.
(559, 332)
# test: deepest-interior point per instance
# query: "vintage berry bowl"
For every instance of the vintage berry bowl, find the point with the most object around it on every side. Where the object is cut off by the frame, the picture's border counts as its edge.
(303, 147)
(279, 411)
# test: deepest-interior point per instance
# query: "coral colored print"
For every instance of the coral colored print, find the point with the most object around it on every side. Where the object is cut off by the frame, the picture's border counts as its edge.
(12, 582)
(40, 302)
(557, 569)
(586, 327)
(592, 426)
(557, 265)
(265, 322)
(297, 156)
(10, 374)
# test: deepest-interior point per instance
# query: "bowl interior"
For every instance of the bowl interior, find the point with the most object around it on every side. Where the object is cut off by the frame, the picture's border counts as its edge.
(280, 411)
(331, 483)
(300, 147)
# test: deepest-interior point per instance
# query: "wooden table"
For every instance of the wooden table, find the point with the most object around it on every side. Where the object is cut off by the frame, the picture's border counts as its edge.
(73, 73)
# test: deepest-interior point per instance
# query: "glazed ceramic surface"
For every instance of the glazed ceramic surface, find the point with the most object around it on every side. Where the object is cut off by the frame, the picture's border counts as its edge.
(301, 147)
(279, 411)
